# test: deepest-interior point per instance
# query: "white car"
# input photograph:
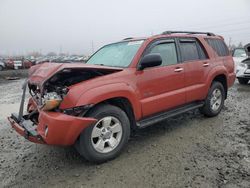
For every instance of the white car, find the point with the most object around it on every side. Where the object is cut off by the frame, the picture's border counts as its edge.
(2, 65)
(18, 64)
(242, 64)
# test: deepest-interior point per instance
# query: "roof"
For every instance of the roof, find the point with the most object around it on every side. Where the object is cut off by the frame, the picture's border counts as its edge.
(177, 34)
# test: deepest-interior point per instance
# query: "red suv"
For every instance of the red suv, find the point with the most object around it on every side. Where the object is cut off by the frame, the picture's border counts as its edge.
(129, 84)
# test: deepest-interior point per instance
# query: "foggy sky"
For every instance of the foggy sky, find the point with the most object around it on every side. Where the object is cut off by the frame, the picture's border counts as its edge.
(71, 25)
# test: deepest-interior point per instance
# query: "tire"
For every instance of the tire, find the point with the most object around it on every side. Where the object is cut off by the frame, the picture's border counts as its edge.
(213, 106)
(90, 146)
(243, 81)
(1, 67)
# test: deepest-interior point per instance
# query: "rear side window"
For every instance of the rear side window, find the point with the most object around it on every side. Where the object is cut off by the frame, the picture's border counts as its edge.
(189, 50)
(219, 46)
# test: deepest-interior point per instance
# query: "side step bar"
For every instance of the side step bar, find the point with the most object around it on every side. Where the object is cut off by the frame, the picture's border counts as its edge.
(165, 115)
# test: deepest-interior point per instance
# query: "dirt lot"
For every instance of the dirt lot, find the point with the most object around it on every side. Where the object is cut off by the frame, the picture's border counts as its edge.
(13, 73)
(186, 151)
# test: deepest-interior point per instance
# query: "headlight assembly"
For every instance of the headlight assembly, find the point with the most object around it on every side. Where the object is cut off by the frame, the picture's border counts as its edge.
(51, 101)
(243, 65)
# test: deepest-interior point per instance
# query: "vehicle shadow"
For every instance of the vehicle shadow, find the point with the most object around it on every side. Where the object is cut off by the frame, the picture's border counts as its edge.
(56, 163)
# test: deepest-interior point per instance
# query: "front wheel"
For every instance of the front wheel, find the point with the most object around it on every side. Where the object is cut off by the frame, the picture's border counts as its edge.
(214, 101)
(105, 139)
(243, 81)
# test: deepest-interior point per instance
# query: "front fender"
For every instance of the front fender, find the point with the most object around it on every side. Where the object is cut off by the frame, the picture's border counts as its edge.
(109, 91)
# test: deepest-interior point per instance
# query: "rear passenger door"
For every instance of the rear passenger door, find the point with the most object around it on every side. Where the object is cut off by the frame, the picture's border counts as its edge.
(162, 87)
(196, 65)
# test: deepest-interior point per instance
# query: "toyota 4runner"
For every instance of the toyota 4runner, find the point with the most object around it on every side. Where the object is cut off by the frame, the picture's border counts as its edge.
(133, 83)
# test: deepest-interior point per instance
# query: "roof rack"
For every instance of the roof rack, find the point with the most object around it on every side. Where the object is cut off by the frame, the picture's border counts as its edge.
(188, 32)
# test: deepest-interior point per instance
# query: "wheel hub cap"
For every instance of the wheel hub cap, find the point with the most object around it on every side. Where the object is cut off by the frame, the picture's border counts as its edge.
(216, 99)
(106, 134)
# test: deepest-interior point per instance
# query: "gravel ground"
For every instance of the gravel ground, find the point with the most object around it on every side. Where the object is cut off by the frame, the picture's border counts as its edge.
(21, 73)
(186, 151)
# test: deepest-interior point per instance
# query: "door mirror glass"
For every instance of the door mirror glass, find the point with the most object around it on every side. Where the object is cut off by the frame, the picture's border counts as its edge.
(150, 60)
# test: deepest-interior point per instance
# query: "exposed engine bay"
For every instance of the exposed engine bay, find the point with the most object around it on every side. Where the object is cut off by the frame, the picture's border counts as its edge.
(57, 86)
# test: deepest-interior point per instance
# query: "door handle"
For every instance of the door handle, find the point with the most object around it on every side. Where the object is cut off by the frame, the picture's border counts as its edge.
(179, 69)
(205, 64)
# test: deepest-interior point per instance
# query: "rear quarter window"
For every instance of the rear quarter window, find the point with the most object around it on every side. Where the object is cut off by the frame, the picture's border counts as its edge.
(218, 46)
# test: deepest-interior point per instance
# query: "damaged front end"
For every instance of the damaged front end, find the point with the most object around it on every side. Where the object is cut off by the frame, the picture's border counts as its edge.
(46, 125)
(243, 69)
(22, 124)
(45, 122)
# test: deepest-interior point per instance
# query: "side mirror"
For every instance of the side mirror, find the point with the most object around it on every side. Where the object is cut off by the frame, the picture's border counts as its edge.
(150, 60)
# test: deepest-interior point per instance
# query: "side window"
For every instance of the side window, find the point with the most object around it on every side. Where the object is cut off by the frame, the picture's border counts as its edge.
(189, 50)
(167, 52)
(218, 46)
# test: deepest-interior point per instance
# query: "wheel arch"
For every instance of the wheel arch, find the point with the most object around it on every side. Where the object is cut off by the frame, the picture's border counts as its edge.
(223, 80)
(119, 94)
(124, 104)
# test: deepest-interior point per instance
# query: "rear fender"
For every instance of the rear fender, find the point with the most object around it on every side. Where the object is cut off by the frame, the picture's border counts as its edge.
(216, 71)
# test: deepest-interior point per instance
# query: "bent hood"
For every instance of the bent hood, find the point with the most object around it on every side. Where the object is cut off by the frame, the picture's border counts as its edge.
(238, 60)
(38, 74)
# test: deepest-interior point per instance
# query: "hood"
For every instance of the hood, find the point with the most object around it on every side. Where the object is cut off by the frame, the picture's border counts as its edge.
(246, 61)
(38, 74)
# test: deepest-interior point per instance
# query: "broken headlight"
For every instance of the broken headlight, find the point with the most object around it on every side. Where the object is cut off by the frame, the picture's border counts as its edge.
(51, 101)
(243, 65)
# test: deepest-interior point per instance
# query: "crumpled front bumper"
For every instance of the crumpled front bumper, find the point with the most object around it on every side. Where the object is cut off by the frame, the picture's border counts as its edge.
(53, 128)
(19, 127)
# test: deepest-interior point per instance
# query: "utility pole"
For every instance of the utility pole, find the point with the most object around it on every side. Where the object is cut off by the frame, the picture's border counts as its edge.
(92, 46)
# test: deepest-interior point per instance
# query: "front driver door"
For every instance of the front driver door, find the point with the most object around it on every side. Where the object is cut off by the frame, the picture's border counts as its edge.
(162, 88)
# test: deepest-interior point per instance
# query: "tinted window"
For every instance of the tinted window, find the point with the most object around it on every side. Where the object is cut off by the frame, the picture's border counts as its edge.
(203, 55)
(219, 46)
(167, 52)
(189, 50)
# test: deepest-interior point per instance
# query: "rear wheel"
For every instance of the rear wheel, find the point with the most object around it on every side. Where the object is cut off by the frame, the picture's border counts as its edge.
(214, 101)
(243, 81)
(1, 67)
(105, 139)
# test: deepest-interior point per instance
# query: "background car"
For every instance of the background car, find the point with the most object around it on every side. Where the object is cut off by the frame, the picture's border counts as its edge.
(242, 64)
(2, 65)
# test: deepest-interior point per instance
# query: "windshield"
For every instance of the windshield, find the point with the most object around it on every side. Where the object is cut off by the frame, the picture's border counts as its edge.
(240, 53)
(116, 55)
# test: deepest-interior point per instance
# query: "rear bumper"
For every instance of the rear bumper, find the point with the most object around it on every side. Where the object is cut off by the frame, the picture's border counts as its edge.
(54, 128)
